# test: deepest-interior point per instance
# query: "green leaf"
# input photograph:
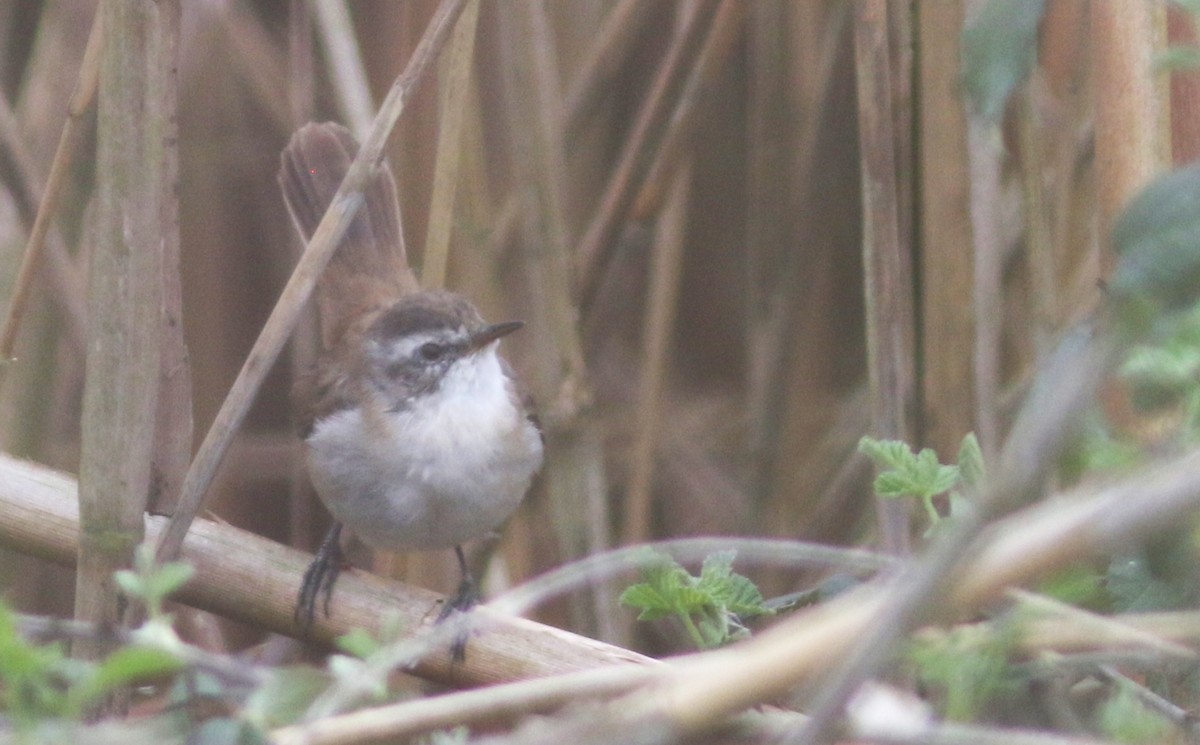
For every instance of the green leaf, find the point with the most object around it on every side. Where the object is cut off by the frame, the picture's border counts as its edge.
(998, 52)
(130, 583)
(225, 731)
(285, 696)
(358, 643)
(124, 666)
(167, 578)
(1157, 239)
(971, 469)
(727, 590)
(1134, 588)
(1124, 718)
(648, 600)
(892, 454)
(896, 484)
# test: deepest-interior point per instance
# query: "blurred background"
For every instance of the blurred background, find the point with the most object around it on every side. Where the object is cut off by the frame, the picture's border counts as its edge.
(668, 193)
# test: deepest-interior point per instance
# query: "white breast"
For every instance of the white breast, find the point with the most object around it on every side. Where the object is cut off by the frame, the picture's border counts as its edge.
(448, 468)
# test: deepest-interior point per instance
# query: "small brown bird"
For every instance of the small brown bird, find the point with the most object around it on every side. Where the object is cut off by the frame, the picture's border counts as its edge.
(416, 435)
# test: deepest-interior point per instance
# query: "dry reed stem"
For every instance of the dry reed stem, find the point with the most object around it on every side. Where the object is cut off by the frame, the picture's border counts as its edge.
(255, 57)
(1129, 110)
(769, 232)
(887, 264)
(81, 101)
(573, 473)
(287, 310)
(1039, 251)
(346, 67)
(985, 194)
(658, 325)
(946, 253)
(596, 247)
(135, 188)
(300, 65)
(466, 708)
(173, 418)
(714, 57)
(457, 76)
(791, 282)
(598, 72)
(251, 579)
(1185, 90)
(64, 278)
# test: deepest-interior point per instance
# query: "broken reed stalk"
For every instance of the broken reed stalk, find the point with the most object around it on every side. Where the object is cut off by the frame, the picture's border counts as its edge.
(81, 101)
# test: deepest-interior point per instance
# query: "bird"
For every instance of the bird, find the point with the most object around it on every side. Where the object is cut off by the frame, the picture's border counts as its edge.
(416, 433)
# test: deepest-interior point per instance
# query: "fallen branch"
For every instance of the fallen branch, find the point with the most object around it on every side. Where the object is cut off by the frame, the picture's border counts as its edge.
(251, 579)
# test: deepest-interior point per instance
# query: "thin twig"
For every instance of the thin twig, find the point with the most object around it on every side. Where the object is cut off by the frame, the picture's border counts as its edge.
(81, 101)
(300, 286)
(1169, 710)
(598, 244)
(445, 175)
(656, 341)
(887, 265)
(604, 59)
(507, 701)
(346, 67)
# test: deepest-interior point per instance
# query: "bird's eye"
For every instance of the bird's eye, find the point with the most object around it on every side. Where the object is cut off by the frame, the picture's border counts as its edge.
(431, 351)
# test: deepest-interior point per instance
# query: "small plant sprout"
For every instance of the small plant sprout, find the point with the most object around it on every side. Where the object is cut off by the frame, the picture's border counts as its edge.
(152, 583)
(712, 606)
(907, 474)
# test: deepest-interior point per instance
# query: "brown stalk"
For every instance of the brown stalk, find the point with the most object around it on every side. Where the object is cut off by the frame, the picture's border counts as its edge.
(791, 278)
(714, 56)
(1039, 251)
(125, 299)
(598, 71)
(768, 230)
(573, 473)
(72, 133)
(287, 310)
(598, 244)
(947, 279)
(346, 68)
(887, 260)
(65, 280)
(1129, 111)
(301, 64)
(457, 76)
(663, 293)
(173, 418)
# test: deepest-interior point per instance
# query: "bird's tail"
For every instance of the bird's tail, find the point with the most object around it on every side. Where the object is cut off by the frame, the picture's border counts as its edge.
(369, 268)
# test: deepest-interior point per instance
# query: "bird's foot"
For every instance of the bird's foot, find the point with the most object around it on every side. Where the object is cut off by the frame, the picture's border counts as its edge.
(461, 602)
(319, 579)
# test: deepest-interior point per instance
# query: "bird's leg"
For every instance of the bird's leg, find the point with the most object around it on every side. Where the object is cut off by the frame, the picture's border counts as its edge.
(465, 598)
(319, 578)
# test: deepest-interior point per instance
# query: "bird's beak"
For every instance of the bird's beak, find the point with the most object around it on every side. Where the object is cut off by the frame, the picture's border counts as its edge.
(489, 334)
